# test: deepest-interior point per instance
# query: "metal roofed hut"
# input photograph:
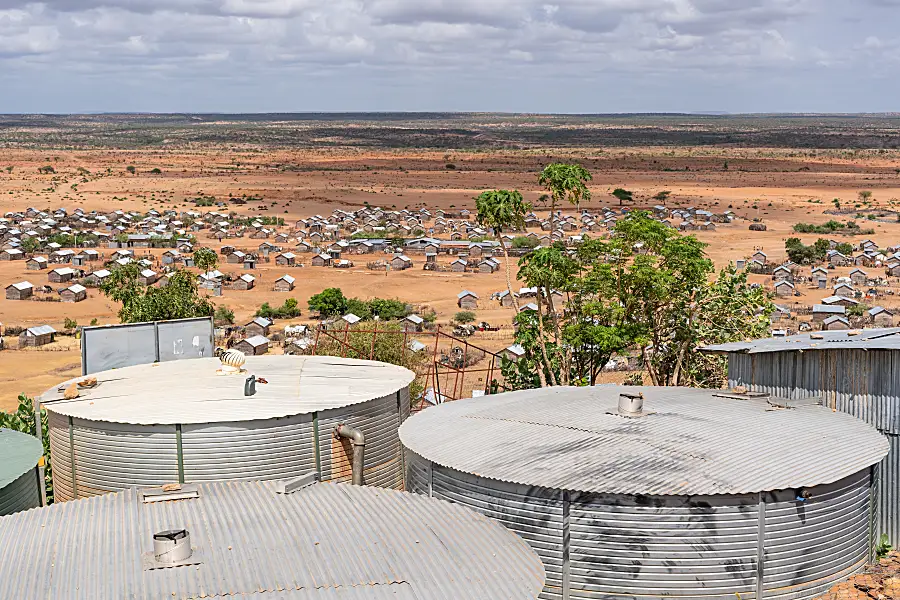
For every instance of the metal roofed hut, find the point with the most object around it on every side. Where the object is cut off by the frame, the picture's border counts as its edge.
(856, 372)
(20, 481)
(244, 539)
(180, 421)
(681, 493)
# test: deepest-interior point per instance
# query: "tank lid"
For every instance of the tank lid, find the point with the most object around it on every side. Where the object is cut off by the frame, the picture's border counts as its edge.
(695, 442)
(196, 391)
(20, 453)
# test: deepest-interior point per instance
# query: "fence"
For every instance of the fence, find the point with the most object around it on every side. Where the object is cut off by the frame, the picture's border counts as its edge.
(447, 367)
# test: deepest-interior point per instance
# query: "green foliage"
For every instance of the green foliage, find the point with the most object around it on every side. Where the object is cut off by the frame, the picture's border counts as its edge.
(23, 420)
(179, 299)
(131, 169)
(46, 170)
(806, 255)
(646, 288)
(205, 201)
(67, 240)
(623, 195)
(523, 241)
(565, 182)
(883, 547)
(94, 322)
(330, 302)
(865, 196)
(31, 245)
(844, 248)
(223, 315)
(501, 210)
(662, 196)
(848, 228)
(156, 171)
(450, 166)
(206, 259)
(288, 310)
(70, 323)
(464, 316)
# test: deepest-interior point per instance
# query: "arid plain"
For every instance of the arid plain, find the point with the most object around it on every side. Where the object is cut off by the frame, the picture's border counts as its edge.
(779, 186)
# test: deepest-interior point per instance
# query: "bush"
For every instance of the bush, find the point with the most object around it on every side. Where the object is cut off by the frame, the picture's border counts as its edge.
(523, 241)
(224, 315)
(23, 420)
(70, 323)
(464, 316)
(288, 310)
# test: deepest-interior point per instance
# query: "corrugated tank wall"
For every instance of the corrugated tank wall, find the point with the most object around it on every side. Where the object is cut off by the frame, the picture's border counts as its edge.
(611, 547)
(379, 420)
(865, 384)
(114, 456)
(21, 494)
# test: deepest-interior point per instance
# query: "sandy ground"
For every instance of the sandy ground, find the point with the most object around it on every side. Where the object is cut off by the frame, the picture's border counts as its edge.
(779, 187)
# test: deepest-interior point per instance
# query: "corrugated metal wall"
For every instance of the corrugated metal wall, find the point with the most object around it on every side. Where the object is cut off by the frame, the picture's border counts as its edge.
(21, 494)
(663, 547)
(114, 456)
(862, 383)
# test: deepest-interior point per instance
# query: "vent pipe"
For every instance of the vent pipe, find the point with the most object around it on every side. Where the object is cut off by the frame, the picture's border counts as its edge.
(631, 405)
(172, 546)
(358, 440)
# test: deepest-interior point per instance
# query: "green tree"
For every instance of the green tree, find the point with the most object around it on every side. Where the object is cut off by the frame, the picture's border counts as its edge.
(464, 316)
(646, 289)
(206, 259)
(623, 195)
(523, 241)
(565, 182)
(865, 196)
(23, 420)
(499, 211)
(837, 203)
(662, 196)
(31, 245)
(131, 169)
(180, 299)
(223, 315)
(330, 302)
(806, 255)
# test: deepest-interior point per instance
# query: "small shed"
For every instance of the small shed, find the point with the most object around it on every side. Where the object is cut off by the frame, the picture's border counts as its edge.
(784, 288)
(147, 277)
(61, 275)
(12, 254)
(321, 260)
(820, 312)
(514, 352)
(286, 259)
(835, 323)
(858, 277)
(19, 291)
(880, 317)
(467, 300)
(37, 336)
(74, 293)
(458, 266)
(285, 283)
(36, 263)
(253, 346)
(244, 282)
(413, 323)
(401, 262)
(258, 327)
(844, 289)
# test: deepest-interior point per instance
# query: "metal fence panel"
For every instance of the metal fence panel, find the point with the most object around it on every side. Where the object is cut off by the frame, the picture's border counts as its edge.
(116, 346)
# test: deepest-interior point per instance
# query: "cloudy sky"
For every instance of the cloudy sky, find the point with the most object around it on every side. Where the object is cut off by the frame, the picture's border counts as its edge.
(449, 55)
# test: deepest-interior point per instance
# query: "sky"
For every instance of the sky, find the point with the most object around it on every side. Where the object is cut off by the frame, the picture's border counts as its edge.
(562, 56)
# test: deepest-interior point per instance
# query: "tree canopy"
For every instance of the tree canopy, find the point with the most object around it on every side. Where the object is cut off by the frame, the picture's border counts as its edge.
(330, 302)
(206, 259)
(565, 182)
(180, 299)
(648, 291)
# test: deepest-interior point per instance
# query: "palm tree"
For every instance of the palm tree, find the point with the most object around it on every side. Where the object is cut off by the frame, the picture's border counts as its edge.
(565, 182)
(499, 210)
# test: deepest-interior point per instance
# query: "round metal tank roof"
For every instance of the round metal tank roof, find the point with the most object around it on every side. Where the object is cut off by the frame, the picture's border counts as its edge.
(191, 391)
(692, 442)
(20, 453)
(321, 541)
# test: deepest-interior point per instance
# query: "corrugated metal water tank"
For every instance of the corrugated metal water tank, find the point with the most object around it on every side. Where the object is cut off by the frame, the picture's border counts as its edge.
(19, 479)
(243, 540)
(182, 421)
(856, 372)
(700, 494)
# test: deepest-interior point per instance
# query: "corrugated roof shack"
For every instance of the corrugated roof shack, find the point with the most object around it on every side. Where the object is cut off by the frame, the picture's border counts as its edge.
(20, 480)
(856, 372)
(693, 495)
(243, 540)
(181, 421)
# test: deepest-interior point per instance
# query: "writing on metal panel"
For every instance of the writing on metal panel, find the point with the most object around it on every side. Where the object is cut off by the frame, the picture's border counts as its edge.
(116, 346)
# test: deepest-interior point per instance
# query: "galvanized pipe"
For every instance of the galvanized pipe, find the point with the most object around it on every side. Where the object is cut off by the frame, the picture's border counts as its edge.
(358, 440)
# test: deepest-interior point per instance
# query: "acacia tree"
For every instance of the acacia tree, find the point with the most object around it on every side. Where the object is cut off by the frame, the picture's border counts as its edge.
(564, 182)
(180, 299)
(500, 210)
(646, 289)
(662, 196)
(623, 195)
